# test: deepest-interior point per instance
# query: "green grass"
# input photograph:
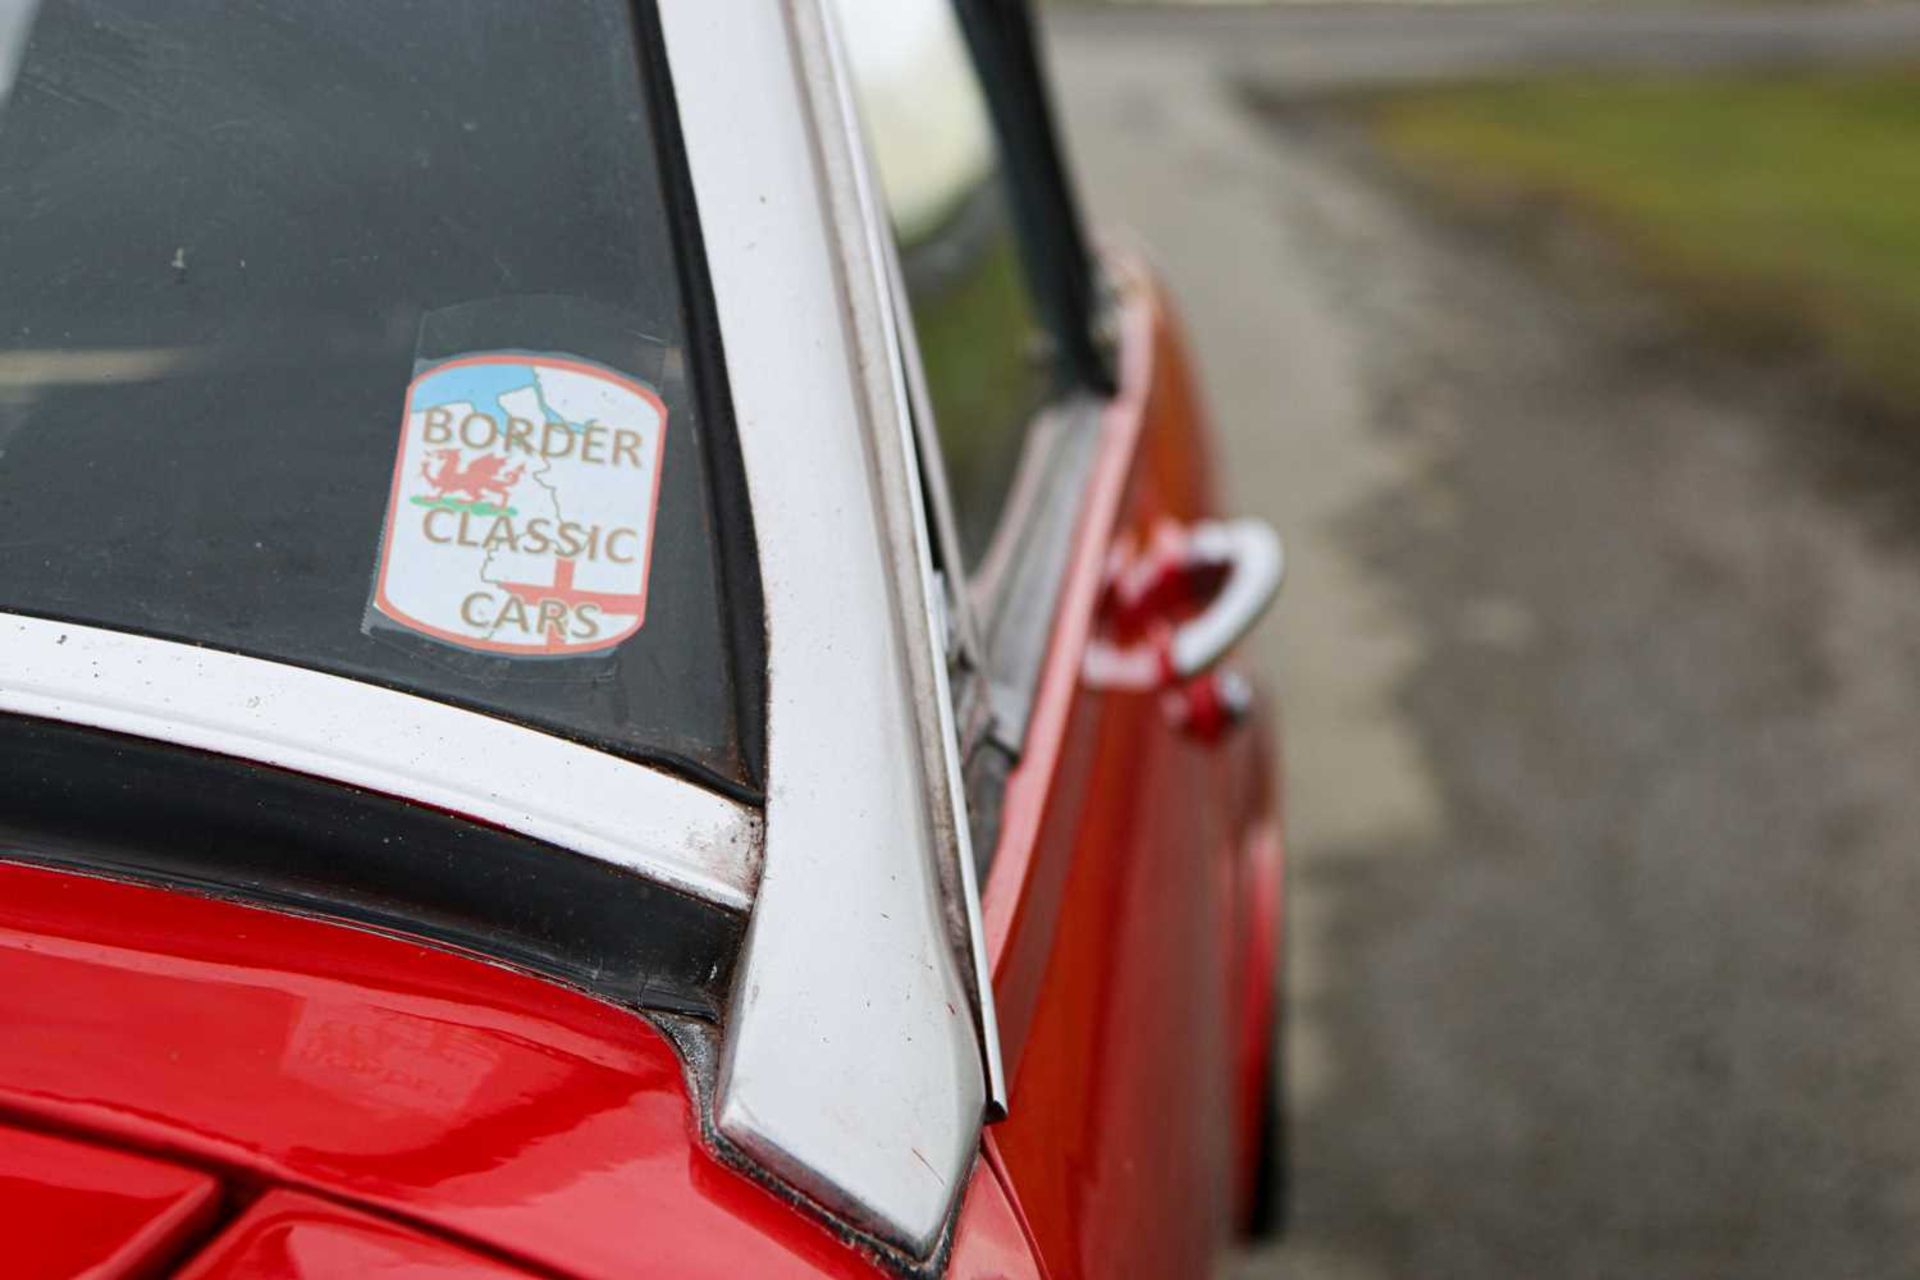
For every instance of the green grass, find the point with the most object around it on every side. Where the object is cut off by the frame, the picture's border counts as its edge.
(1785, 210)
(977, 337)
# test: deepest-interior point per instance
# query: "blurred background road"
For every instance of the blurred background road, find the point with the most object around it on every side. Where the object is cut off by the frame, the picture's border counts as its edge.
(1599, 655)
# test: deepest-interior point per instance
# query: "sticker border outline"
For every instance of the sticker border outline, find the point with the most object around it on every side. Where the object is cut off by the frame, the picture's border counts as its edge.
(385, 606)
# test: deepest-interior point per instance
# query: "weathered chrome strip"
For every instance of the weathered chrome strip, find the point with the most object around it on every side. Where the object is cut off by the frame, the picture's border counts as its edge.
(367, 736)
(851, 1066)
(905, 442)
(1019, 588)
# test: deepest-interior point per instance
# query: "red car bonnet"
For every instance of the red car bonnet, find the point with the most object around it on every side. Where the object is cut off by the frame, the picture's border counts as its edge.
(450, 1097)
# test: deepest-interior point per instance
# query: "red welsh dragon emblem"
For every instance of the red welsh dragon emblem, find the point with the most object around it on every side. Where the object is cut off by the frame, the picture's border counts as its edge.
(478, 479)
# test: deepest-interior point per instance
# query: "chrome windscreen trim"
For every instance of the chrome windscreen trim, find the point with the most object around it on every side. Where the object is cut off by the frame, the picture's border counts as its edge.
(364, 735)
(850, 1067)
(907, 462)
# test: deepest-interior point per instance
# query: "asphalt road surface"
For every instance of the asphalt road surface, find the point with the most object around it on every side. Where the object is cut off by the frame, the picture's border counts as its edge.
(1599, 665)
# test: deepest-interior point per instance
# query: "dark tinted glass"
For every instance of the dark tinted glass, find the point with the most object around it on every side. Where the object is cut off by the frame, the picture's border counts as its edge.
(352, 335)
(988, 368)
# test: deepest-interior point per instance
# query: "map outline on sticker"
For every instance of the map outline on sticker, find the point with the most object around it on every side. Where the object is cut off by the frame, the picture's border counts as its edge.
(503, 501)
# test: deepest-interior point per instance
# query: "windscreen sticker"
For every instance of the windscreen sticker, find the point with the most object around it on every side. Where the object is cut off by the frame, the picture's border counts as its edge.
(521, 516)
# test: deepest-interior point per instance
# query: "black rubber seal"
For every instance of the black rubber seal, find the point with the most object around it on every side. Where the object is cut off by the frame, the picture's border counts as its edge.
(118, 805)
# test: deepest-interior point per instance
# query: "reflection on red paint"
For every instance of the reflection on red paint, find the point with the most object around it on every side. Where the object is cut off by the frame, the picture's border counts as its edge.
(72, 1209)
(288, 1236)
(490, 1105)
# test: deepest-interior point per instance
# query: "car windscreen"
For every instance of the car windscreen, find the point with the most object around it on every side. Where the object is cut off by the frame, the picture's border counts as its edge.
(357, 336)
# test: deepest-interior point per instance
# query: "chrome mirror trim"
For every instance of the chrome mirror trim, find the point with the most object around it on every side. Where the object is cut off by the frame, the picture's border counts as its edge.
(1256, 564)
(364, 735)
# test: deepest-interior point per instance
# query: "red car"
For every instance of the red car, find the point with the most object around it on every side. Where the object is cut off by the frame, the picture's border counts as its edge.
(614, 660)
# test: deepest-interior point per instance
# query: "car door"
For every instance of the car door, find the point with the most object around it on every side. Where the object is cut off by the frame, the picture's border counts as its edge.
(1123, 915)
(1117, 783)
